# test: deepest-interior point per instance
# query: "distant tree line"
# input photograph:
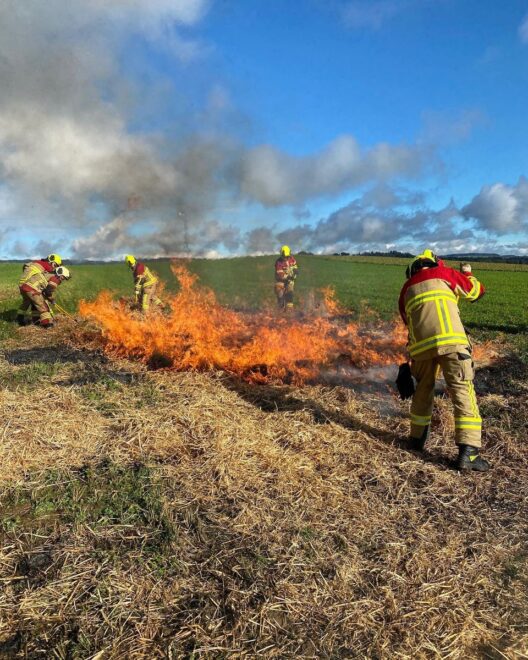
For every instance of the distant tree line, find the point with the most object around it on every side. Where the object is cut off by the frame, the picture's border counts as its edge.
(476, 256)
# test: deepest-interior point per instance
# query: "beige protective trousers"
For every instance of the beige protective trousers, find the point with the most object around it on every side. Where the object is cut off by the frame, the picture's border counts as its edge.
(34, 302)
(147, 297)
(458, 373)
(284, 293)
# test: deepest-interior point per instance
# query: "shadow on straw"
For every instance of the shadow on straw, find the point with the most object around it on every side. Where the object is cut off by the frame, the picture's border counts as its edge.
(279, 399)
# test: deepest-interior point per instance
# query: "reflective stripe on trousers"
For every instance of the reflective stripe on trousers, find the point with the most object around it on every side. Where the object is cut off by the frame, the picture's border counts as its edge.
(458, 373)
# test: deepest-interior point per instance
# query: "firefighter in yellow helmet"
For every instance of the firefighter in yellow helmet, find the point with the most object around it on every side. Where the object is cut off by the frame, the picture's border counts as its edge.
(437, 340)
(145, 284)
(285, 274)
(37, 286)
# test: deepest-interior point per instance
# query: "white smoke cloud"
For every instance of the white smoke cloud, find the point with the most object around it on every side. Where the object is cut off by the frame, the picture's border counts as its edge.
(114, 239)
(261, 240)
(66, 142)
(275, 178)
(62, 132)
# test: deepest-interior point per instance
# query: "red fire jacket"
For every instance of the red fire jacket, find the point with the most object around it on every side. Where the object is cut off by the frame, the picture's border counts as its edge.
(285, 268)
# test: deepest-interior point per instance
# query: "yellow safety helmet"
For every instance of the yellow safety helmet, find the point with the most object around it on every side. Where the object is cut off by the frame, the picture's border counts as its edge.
(130, 260)
(285, 251)
(54, 259)
(427, 258)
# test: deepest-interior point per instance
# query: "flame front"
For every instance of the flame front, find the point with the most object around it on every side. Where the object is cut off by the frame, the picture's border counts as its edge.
(200, 334)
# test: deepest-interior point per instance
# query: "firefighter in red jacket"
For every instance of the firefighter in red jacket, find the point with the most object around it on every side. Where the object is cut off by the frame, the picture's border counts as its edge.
(437, 340)
(37, 286)
(145, 284)
(285, 274)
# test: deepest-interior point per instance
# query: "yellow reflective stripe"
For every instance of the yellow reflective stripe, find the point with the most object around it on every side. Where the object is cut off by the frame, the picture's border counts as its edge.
(148, 279)
(448, 317)
(420, 420)
(475, 289)
(443, 292)
(36, 281)
(473, 399)
(438, 342)
(444, 338)
(434, 293)
(423, 301)
(467, 425)
(468, 419)
(440, 317)
(440, 336)
(31, 271)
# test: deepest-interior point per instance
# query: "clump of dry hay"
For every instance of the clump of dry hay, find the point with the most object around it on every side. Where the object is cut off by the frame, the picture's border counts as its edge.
(202, 515)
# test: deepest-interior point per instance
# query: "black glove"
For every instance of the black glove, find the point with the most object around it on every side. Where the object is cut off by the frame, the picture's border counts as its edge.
(479, 298)
(405, 382)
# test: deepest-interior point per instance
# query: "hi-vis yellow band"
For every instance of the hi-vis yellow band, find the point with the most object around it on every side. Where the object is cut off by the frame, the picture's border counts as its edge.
(437, 340)
(420, 420)
(476, 289)
(31, 272)
(435, 294)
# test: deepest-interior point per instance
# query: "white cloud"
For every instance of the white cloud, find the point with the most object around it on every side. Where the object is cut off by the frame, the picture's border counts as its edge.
(187, 12)
(275, 178)
(523, 30)
(447, 130)
(373, 13)
(500, 208)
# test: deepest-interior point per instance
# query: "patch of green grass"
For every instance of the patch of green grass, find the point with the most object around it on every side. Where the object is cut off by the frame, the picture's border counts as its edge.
(27, 375)
(99, 496)
(147, 395)
(516, 568)
(248, 283)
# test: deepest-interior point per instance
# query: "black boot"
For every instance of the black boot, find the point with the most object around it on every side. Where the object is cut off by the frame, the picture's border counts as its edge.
(418, 444)
(21, 319)
(469, 458)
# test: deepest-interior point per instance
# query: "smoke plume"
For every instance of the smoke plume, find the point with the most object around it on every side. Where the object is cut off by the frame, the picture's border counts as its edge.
(75, 148)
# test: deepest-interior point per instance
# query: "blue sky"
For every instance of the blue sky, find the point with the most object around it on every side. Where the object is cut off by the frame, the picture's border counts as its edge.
(229, 127)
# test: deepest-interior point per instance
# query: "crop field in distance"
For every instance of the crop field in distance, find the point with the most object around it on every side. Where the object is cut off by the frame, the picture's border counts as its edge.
(151, 512)
(360, 283)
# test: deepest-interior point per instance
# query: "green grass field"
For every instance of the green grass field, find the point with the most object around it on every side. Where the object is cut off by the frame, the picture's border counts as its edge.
(360, 283)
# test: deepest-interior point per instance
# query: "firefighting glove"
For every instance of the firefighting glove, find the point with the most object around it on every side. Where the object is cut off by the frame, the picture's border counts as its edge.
(405, 381)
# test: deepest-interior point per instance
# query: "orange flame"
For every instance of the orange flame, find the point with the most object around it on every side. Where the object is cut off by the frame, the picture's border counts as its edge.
(200, 334)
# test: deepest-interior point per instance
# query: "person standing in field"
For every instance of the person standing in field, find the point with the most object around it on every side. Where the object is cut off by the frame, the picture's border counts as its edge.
(37, 286)
(145, 284)
(285, 274)
(437, 340)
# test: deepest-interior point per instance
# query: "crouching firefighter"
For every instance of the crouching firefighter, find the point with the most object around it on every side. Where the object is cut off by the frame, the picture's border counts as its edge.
(145, 283)
(285, 274)
(37, 286)
(438, 341)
